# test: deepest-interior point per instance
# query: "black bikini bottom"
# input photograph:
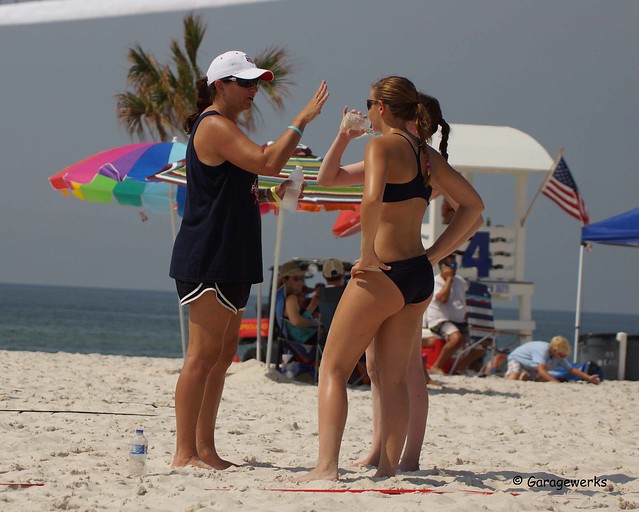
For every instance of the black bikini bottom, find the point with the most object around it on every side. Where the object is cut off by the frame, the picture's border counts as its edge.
(414, 278)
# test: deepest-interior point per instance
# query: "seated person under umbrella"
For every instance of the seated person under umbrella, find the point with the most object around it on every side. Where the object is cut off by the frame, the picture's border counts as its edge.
(300, 324)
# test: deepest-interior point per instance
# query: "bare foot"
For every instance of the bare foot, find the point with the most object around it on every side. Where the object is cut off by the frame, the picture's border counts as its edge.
(190, 461)
(384, 473)
(408, 466)
(215, 461)
(433, 383)
(316, 474)
(371, 459)
(436, 370)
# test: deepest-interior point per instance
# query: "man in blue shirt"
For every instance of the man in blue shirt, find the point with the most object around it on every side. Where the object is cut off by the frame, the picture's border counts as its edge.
(534, 359)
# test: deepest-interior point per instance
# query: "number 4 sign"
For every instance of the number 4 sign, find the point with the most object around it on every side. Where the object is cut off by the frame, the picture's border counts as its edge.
(477, 254)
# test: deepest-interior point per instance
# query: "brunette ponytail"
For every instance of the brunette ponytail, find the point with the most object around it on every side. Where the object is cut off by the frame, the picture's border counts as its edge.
(205, 95)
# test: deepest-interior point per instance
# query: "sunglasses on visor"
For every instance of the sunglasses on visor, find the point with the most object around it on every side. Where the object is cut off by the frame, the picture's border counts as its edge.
(243, 82)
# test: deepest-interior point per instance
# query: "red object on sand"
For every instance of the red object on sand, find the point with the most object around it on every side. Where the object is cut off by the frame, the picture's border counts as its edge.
(430, 355)
(419, 490)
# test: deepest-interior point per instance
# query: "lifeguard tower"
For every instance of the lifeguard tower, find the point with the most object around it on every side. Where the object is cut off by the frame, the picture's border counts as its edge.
(495, 255)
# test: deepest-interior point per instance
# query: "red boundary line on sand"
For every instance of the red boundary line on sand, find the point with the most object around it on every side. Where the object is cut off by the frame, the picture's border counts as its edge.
(381, 491)
(22, 485)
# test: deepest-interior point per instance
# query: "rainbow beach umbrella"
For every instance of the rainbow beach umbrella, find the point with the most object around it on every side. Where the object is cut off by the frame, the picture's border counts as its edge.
(121, 173)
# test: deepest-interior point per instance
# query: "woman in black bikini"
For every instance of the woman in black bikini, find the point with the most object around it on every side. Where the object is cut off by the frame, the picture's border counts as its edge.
(392, 281)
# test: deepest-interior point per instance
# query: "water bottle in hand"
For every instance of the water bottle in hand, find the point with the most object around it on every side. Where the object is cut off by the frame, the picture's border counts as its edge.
(293, 190)
(138, 450)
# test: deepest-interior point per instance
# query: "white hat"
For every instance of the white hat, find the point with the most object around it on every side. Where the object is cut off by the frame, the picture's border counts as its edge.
(236, 64)
(332, 269)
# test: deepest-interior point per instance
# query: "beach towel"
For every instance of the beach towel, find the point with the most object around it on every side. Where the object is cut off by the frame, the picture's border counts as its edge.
(590, 368)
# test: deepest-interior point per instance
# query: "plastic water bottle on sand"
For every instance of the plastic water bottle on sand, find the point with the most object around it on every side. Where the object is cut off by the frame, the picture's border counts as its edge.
(138, 449)
(292, 193)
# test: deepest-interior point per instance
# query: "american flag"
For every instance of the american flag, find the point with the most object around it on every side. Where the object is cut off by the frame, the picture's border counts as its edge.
(562, 189)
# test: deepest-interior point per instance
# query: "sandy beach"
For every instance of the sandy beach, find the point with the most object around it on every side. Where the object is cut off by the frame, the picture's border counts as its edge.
(491, 444)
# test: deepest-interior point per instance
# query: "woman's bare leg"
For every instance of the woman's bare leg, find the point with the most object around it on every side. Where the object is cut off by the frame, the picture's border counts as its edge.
(347, 340)
(393, 347)
(372, 457)
(418, 407)
(208, 322)
(205, 431)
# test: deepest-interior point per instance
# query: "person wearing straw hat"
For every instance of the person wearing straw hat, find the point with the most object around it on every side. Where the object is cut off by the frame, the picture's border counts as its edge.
(301, 326)
(217, 254)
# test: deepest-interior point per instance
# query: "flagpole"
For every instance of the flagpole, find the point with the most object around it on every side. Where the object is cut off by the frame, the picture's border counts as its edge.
(548, 175)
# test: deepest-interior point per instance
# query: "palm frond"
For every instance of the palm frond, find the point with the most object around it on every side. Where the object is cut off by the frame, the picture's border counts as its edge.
(144, 70)
(194, 31)
(278, 60)
(161, 96)
(130, 110)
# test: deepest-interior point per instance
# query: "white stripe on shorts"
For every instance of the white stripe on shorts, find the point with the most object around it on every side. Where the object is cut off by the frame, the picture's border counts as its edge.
(200, 290)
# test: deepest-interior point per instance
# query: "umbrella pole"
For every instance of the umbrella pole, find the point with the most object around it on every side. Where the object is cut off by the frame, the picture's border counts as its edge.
(578, 306)
(258, 350)
(276, 264)
(173, 216)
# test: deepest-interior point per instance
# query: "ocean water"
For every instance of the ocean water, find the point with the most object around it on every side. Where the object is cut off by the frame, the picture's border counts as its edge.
(146, 323)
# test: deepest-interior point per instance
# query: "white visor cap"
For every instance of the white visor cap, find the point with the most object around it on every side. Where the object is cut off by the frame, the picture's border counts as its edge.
(236, 64)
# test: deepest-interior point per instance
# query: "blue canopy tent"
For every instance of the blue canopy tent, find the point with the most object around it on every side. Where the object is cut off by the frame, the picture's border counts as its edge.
(622, 229)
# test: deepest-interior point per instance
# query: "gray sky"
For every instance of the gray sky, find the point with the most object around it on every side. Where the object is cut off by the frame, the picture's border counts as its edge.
(566, 72)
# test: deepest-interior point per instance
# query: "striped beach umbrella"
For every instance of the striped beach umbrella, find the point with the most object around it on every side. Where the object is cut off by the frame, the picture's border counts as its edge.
(316, 198)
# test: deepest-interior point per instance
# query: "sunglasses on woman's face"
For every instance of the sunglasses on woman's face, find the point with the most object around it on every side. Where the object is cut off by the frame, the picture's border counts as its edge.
(243, 82)
(370, 103)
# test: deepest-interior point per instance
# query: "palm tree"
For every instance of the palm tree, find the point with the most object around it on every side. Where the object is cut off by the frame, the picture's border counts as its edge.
(161, 96)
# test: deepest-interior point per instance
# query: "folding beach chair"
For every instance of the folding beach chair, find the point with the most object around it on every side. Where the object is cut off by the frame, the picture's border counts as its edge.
(328, 299)
(481, 324)
(303, 354)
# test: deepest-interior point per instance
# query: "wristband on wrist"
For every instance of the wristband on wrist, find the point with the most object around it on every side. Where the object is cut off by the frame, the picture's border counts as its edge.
(295, 129)
(276, 199)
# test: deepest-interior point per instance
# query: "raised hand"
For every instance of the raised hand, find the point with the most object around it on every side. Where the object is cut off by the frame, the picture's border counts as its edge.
(314, 107)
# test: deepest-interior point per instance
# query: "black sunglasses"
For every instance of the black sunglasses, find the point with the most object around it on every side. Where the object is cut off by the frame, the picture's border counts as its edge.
(243, 82)
(370, 103)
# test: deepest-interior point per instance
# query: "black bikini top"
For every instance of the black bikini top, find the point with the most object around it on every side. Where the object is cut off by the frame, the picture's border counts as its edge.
(394, 192)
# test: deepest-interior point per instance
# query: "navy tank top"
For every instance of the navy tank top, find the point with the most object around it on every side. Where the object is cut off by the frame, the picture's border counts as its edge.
(220, 238)
(395, 192)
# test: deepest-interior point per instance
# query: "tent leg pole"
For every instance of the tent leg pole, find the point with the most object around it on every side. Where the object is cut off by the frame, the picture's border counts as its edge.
(578, 306)
(258, 338)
